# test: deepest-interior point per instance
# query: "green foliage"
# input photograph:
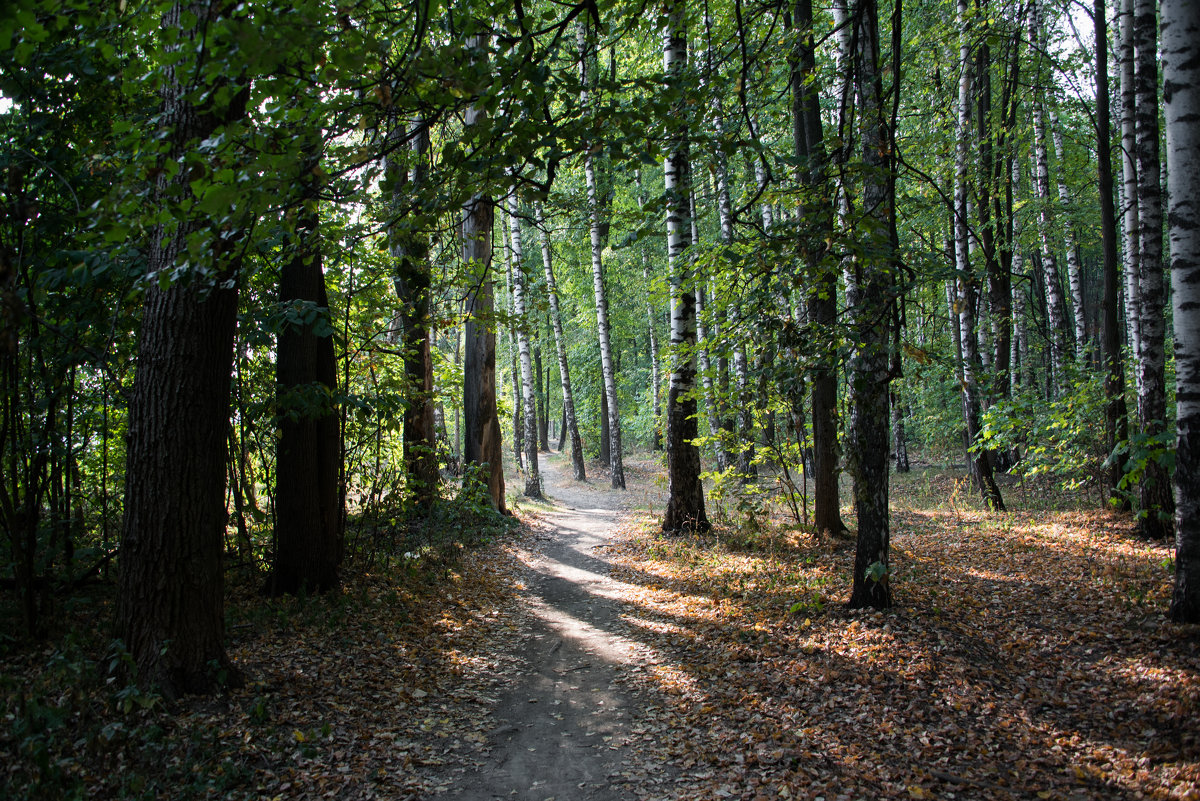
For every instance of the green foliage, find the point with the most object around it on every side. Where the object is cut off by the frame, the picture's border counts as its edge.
(1062, 439)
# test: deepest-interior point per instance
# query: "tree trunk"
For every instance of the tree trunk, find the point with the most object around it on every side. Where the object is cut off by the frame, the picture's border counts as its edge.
(543, 404)
(706, 378)
(1074, 268)
(980, 463)
(813, 170)
(1181, 94)
(1131, 244)
(308, 512)
(412, 282)
(570, 425)
(1116, 416)
(597, 235)
(685, 503)
(481, 428)
(533, 478)
(170, 596)
(518, 416)
(1156, 504)
(870, 299)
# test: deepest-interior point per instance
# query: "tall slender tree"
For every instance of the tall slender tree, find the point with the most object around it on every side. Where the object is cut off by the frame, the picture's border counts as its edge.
(1154, 490)
(481, 428)
(570, 424)
(533, 478)
(685, 502)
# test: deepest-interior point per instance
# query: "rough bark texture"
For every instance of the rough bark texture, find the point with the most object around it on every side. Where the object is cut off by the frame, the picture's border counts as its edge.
(308, 511)
(685, 502)
(481, 428)
(813, 168)
(1154, 492)
(533, 478)
(570, 425)
(170, 594)
(1116, 416)
(1181, 94)
(967, 301)
(870, 302)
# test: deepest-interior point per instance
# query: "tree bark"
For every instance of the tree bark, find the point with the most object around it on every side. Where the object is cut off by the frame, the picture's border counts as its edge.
(170, 594)
(813, 171)
(685, 502)
(980, 463)
(308, 511)
(570, 424)
(1116, 416)
(1074, 267)
(533, 478)
(1154, 492)
(870, 299)
(1181, 94)
(481, 428)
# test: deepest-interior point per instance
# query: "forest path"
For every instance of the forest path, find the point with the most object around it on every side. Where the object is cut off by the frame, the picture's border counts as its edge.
(562, 726)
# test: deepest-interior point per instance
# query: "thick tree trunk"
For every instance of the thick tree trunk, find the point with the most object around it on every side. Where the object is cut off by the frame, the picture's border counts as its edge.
(685, 503)
(481, 428)
(1181, 94)
(170, 596)
(308, 512)
(1154, 492)
(1116, 416)
(570, 425)
(533, 477)
(870, 300)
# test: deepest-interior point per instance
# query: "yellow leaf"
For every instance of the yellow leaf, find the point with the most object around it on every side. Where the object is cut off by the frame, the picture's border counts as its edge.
(299, 735)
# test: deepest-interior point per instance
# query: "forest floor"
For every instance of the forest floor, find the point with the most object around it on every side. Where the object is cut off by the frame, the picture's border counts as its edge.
(587, 656)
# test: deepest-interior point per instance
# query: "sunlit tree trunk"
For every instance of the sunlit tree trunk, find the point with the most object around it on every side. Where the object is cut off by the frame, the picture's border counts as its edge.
(170, 612)
(616, 463)
(533, 478)
(1154, 491)
(685, 503)
(870, 300)
(1130, 227)
(1074, 267)
(652, 328)
(481, 428)
(560, 346)
(1055, 306)
(706, 378)
(1181, 94)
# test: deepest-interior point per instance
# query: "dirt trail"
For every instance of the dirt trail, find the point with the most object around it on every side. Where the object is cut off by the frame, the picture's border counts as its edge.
(563, 724)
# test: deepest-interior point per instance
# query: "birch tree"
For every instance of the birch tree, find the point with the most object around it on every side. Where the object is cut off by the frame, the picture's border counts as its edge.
(616, 464)
(560, 348)
(533, 478)
(1181, 94)
(1154, 490)
(685, 502)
